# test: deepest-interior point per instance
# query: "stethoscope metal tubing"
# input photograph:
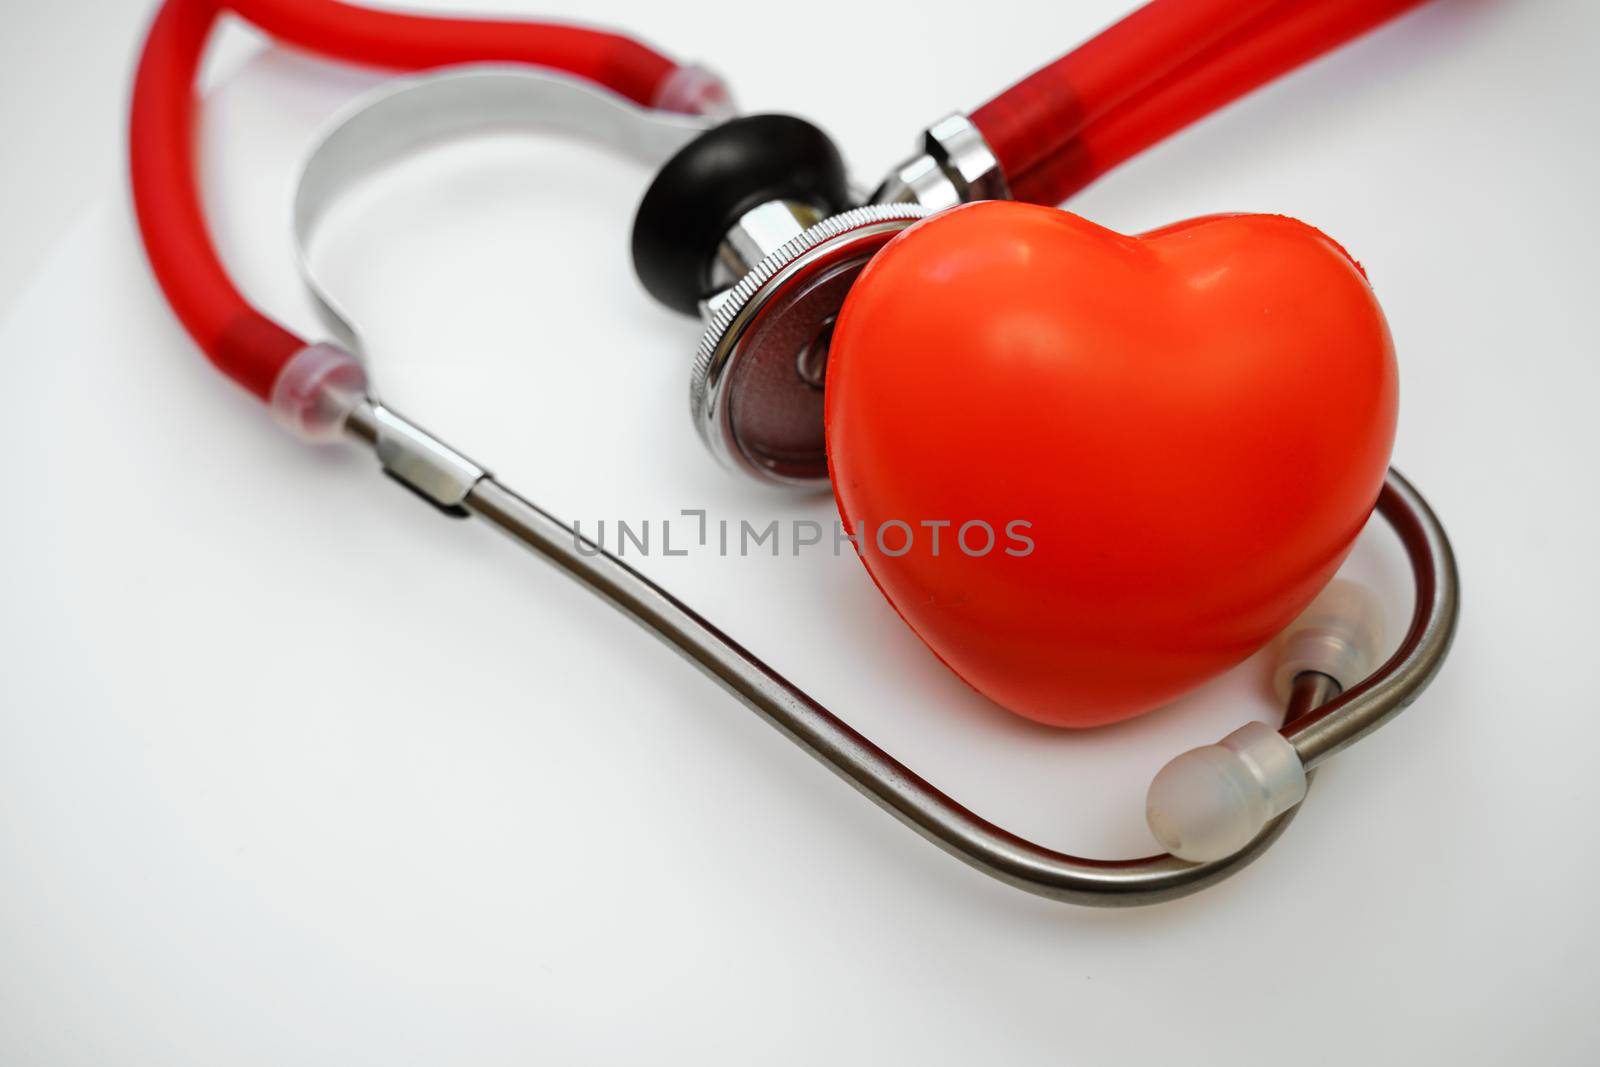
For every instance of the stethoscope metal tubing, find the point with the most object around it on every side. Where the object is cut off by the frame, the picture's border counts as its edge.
(405, 115)
(881, 777)
(1315, 731)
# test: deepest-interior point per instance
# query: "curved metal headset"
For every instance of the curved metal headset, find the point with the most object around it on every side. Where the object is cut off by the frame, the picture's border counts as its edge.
(1324, 714)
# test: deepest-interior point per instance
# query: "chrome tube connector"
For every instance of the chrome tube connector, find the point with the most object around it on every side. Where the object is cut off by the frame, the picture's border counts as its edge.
(956, 166)
(414, 457)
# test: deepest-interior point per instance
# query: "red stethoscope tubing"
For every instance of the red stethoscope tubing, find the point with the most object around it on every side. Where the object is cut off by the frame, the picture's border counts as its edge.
(1043, 114)
(244, 343)
(1287, 35)
(416, 42)
(1164, 66)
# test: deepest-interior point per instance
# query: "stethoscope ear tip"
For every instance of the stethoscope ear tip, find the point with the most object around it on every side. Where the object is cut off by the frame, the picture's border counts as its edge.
(1211, 802)
(1339, 635)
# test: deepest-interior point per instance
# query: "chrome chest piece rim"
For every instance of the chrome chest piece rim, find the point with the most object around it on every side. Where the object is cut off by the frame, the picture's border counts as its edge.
(851, 236)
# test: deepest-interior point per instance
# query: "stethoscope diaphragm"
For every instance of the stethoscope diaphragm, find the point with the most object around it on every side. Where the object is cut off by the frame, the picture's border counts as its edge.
(756, 387)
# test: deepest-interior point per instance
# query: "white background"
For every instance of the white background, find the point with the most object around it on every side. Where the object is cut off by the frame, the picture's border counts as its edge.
(294, 771)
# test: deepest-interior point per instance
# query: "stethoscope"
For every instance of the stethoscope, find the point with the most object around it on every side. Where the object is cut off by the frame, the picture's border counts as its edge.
(752, 224)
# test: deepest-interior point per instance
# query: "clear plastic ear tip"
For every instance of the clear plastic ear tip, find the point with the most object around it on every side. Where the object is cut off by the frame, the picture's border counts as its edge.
(1340, 635)
(1210, 802)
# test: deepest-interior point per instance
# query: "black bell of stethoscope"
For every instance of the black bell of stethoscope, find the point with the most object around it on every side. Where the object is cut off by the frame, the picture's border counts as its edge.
(725, 196)
(752, 226)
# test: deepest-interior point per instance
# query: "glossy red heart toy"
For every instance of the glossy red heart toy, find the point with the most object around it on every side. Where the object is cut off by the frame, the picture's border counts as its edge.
(1151, 452)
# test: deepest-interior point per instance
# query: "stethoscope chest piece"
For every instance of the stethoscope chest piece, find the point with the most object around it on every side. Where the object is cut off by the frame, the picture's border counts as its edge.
(756, 387)
(750, 225)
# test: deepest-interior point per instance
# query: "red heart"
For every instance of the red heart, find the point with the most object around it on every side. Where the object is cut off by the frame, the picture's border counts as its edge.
(1194, 423)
